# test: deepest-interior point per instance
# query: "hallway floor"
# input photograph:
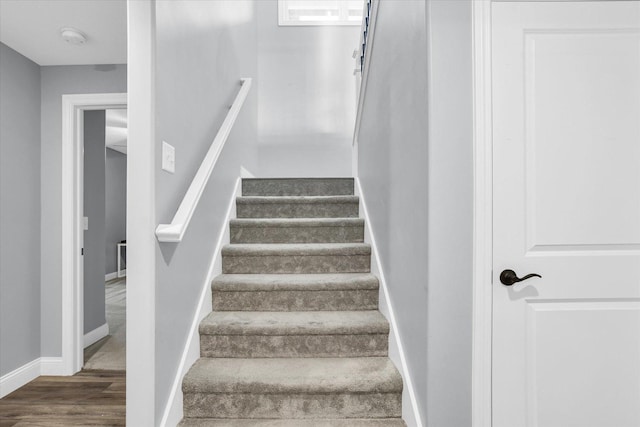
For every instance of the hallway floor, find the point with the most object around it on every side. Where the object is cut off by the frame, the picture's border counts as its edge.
(95, 398)
(110, 352)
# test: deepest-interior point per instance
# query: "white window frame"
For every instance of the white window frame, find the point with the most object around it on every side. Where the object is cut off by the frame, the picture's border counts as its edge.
(283, 21)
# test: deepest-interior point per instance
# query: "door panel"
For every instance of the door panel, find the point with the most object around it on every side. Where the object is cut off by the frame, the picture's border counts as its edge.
(566, 144)
(571, 343)
(587, 81)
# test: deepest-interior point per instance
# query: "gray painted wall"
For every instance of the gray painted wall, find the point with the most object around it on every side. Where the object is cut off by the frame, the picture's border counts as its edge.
(116, 206)
(392, 163)
(94, 209)
(306, 96)
(19, 210)
(56, 81)
(202, 50)
(415, 165)
(450, 216)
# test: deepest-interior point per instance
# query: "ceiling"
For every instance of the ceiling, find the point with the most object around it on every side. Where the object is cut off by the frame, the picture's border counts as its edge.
(32, 27)
(116, 129)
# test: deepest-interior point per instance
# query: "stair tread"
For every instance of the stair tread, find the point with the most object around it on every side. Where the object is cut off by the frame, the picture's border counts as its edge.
(281, 179)
(293, 375)
(301, 249)
(294, 282)
(254, 362)
(294, 323)
(277, 186)
(350, 422)
(294, 186)
(296, 199)
(297, 222)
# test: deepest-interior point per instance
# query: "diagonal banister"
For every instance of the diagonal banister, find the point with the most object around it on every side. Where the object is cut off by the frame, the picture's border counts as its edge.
(365, 50)
(174, 232)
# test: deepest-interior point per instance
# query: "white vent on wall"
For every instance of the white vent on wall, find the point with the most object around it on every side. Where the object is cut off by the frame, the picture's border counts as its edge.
(320, 12)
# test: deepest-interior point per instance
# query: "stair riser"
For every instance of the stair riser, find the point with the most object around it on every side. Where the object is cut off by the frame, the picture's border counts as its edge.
(350, 422)
(297, 187)
(297, 210)
(342, 234)
(230, 346)
(360, 299)
(289, 264)
(274, 405)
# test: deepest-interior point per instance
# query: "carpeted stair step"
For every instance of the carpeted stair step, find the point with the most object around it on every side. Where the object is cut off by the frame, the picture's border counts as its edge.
(294, 334)
(297, 186)
(296, 258)
(367, 387)
(297, 207)
(297, 230)
(211, 422)
(295, 292)
(296, 338)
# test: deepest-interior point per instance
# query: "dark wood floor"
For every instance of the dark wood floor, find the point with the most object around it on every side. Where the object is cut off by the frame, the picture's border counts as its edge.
(89, 398)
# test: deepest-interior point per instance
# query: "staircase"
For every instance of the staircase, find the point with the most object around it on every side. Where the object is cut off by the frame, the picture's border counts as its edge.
(295, 338)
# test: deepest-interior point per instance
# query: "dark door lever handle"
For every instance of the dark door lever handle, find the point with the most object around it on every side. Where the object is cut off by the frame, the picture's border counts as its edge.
(509, 277)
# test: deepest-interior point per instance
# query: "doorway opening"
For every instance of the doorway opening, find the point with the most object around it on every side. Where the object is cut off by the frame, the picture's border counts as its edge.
(105, 219)
(74, 302)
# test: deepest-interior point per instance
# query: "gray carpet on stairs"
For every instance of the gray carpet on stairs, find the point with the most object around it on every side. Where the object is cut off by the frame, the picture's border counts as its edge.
(295, 338)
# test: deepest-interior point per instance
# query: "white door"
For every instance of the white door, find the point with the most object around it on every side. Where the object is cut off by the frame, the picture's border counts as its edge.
(566, 147)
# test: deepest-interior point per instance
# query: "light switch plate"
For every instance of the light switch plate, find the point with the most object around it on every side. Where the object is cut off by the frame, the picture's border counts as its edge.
(168, 157)
(85, 222)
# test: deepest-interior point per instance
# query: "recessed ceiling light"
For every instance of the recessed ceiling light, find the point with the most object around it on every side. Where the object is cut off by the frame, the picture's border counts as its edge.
(73, 36)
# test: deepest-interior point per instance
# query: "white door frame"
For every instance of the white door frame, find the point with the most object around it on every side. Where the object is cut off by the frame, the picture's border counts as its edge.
(482, 215)
(73, 107)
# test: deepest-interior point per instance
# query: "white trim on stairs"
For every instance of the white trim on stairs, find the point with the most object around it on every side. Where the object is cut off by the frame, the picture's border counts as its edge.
(245, 173)
(410, 410)
(96, 335)
(173, 409)
(365, 72)
(362, 92)
(29, 372)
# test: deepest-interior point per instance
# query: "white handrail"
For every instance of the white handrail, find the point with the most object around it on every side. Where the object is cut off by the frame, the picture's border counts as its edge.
(175, 231)
(364, 73)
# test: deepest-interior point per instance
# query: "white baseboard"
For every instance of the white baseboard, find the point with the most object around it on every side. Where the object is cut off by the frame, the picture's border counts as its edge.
(245, 173)
(19, 377)
(354, 158)
(28, 372)
(114, 275)
(96, 335)
(51, 366)
(173, 409)
(410, 410)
